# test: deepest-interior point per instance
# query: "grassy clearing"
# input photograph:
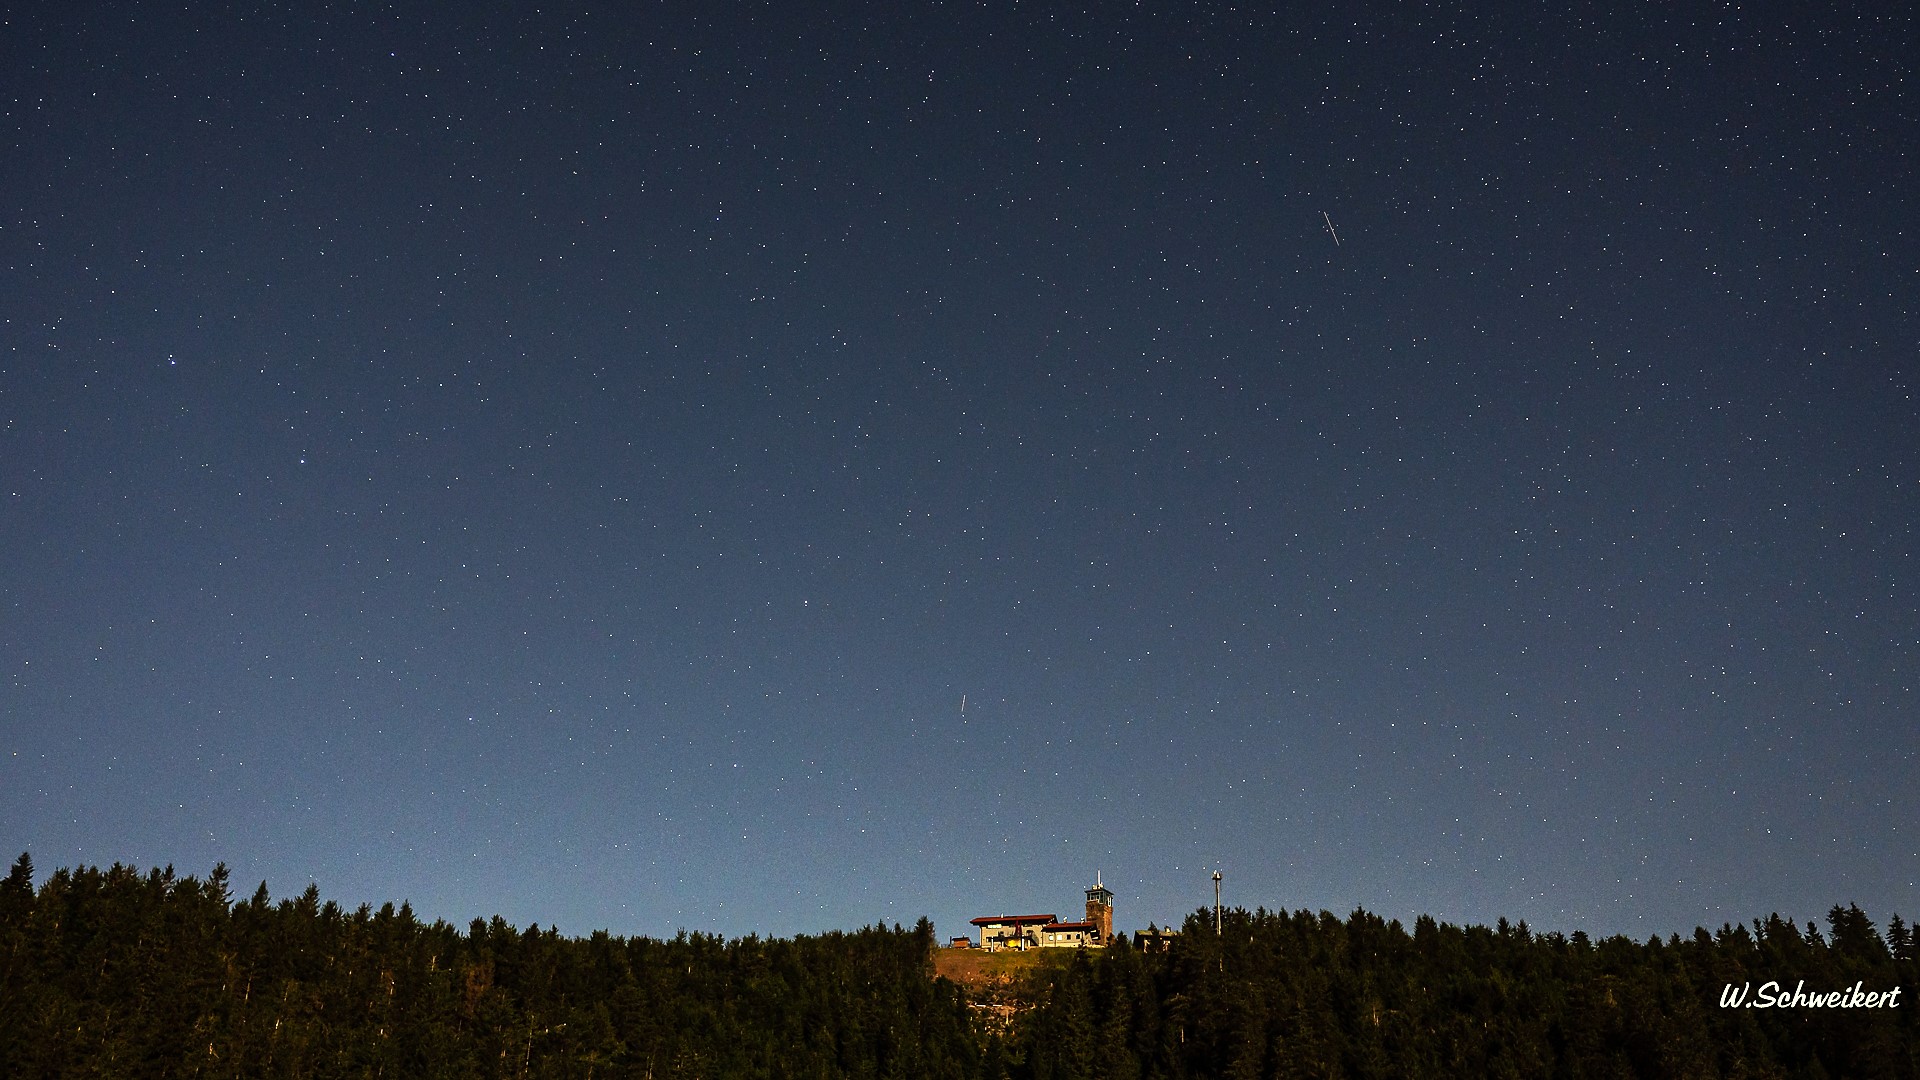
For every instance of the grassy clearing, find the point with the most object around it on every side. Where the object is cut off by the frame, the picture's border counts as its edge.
(978, 967)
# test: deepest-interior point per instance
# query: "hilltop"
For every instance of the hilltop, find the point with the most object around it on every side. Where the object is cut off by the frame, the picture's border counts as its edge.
(100, 969)
(978, 969)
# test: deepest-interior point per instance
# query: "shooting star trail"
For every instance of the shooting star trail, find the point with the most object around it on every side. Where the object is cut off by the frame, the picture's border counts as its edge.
(1330, 232)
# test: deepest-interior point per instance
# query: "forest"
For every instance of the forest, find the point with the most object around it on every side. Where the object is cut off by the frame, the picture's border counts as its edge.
(124, 973)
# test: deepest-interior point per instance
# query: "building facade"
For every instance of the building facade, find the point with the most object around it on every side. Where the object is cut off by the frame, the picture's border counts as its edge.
(999, 932)
(1012, 931)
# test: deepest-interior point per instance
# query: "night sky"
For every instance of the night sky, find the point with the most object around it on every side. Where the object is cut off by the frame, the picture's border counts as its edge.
(573, 464)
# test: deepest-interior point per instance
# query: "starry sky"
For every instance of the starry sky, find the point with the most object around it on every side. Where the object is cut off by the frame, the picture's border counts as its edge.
(575, 463)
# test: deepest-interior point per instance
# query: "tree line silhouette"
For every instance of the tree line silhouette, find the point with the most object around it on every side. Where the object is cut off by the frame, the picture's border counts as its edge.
(1275, 994)
(116, 972)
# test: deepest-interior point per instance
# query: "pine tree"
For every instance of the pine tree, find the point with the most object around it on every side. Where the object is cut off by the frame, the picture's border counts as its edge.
(1899, 938)
(19, 881)
(1854, 936)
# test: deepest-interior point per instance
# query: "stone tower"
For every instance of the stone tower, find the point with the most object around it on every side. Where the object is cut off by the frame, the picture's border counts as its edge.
(1100, 909)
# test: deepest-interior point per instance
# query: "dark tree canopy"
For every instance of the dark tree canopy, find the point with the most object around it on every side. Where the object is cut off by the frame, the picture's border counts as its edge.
(118, 973)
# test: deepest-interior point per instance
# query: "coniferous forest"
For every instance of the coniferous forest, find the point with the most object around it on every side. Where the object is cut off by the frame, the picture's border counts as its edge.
(110, 973)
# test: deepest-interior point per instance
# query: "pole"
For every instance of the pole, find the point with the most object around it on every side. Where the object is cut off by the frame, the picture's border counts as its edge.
(1216, 903)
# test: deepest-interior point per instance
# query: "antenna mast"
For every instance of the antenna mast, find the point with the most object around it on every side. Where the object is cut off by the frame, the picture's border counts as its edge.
(1216, 903)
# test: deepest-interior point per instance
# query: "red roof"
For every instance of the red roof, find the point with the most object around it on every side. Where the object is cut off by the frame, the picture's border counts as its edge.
(1012, 919)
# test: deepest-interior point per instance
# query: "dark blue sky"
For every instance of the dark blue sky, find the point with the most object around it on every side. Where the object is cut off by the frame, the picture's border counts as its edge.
(572, 464)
